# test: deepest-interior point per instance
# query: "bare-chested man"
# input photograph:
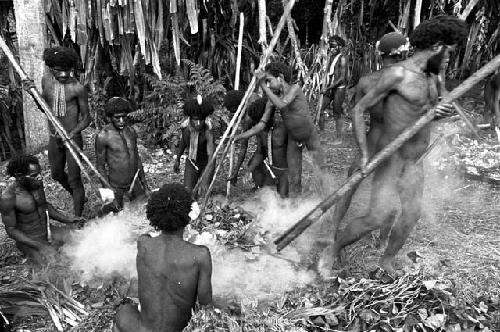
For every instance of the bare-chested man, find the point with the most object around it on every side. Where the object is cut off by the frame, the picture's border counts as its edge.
(294, 110)
(271, 145)
(116, 149)
(25, 210)
(335, 91)
(69, 103)
(197, 136)
(172, 274)
(392, 48)
(492, 99)
(408, 90)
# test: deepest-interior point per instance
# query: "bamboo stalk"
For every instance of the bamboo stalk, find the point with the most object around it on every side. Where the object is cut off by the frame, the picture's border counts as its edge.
(42, 104)
(262, 23)
(418, 9)
(238, 116)
(298, 228)
(238, 59)
(468, 9)
(236, 87)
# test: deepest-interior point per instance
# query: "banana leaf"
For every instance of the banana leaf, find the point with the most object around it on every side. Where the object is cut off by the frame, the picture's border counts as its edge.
(175, 36)
(173, 6)
(140, 24)
(98, 22)
(81, 28)
(192, 15)
(73, 17)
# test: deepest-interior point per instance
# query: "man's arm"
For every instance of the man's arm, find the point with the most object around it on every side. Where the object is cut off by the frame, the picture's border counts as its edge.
(204, 290)
(83, 106)
(242, 152)
(100, 153)
(180, 152)
(59, 216)
(260, 126)
(8, 213)
(276, 100)
(387, 82)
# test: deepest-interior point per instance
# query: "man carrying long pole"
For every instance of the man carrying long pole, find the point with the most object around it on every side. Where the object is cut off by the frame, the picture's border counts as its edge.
(408, 89)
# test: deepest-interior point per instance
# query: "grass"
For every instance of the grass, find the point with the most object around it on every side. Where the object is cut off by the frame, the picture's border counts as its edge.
(455, 241)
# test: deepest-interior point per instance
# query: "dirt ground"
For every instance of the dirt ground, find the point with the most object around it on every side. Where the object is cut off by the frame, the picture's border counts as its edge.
(457, 237)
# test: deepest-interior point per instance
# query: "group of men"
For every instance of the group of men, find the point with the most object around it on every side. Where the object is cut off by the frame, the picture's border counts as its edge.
(23, 207)
(173, 274)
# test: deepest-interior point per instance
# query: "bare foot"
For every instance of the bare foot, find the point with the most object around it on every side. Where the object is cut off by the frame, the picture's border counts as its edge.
(387, 264)
(328, 260)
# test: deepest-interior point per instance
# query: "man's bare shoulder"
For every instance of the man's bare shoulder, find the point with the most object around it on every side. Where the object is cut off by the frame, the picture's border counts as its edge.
(76, 85)
(8, 198)
(104, 132)
(202, 253)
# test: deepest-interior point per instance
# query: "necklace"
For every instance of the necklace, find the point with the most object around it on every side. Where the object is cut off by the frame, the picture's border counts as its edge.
(59, 99)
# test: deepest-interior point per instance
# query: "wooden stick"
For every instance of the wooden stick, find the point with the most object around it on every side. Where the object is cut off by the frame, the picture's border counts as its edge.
(238, 116)
(238, 58)
(466, 119)
(44, 107)
(236, 87)
(299, 227)
(430, 148)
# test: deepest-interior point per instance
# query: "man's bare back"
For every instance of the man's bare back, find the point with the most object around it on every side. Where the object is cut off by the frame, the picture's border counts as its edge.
(169, 269)
(172, 274)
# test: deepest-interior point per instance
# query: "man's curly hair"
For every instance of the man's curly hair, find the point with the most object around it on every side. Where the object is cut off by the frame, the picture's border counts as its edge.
(63, 57)
(168, 208)
(20, 164)
(257, 108)
(232, 100)
(117, 105)
(336, 39)
(192, 108)
(448, 30)
(277, 68)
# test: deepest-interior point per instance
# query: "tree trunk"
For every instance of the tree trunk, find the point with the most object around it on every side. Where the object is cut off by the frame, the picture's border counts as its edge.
(31, 36)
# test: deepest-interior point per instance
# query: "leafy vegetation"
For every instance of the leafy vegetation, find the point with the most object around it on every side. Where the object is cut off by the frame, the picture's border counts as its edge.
(161, 110)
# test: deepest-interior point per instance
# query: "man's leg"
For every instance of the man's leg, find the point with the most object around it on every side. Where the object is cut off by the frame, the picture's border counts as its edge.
(294, 160)
(75, 179)
(322, 114)
(258, 174)
(313, 144)
(282, 183)
(57, 160)
(384, 185)
(190, 175)
(410, 189)
(338, 101)
(333, 224)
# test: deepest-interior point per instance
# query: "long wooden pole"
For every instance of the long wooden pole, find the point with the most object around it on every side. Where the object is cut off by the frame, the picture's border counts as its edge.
(299, 227)
(44, 107)
(238, 116)
(236, 87)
